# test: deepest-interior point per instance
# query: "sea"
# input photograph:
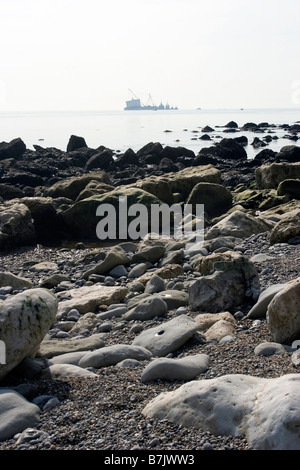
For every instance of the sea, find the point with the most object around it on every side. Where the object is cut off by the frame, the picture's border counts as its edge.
(120, 130)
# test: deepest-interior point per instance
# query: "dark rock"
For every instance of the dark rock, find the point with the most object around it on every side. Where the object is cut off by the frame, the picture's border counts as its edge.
(290, 153)
(128, 158)
(152, 148)
(232, 125)
(167, 166)
(75, 143)
(173, 153)
(227, 149)
(266, 155)
(205, 137)
(289, 188)
(14, 149)
(207, 129)
(257, 143)
(241, 140)
(10, 192)
(101, 160)
(250, 126)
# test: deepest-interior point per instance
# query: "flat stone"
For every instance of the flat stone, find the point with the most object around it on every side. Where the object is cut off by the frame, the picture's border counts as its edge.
(167, 337)
(55, 347)
(269, 348)
(185, 368)
(111, 355)
(56, 371)
(89, 298)
(16, 282)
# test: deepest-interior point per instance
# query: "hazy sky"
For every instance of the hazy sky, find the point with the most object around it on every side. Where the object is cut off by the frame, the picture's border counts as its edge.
(86, 54)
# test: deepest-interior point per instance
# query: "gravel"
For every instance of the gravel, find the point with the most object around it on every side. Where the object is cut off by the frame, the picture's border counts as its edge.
(105, 413)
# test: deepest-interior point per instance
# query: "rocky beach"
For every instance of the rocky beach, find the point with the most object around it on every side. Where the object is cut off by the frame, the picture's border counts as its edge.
(157, 343)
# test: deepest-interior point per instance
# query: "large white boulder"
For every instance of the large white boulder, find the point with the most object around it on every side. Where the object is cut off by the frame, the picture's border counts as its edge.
(25, 319)
(266, 411)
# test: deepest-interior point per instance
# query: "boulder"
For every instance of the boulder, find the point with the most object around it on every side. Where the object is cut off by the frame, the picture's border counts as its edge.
(76, 143)
(226, 149)
(16, 414)
(231, 285)
(270, 176)
(286, 228)
(101, 160)
(16, 226)
(81, 219)
(14, 149)
(264, 410)
(289, 188)
(25, 319)
(216, 198)
(283, 314)
(111, 355)
(185, 368)
(167, 337)
(238, 224)
(46, 222)
(291, 153)
(71, 187)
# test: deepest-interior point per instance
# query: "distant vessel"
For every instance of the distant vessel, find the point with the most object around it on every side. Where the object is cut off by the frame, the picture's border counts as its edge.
(135, 104)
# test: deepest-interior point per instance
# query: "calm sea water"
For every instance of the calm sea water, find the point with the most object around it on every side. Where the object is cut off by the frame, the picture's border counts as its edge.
(120, 130)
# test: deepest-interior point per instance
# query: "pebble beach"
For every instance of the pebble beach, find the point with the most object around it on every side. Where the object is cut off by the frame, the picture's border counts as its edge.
(105, 412)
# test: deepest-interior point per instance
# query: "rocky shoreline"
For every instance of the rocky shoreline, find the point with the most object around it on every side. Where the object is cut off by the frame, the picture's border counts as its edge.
(120, 329)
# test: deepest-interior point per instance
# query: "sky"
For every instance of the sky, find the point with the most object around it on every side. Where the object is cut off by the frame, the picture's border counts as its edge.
(87, 54)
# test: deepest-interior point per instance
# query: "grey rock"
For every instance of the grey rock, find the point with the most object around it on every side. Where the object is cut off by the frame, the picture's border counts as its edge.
(167, 337)
(16, 414)
(148, 308)
(111, 355)
(137, 270)
(154, 285)
(118, 271)
(269, 348)
(185, 368)
(50, 348)
(259, 310)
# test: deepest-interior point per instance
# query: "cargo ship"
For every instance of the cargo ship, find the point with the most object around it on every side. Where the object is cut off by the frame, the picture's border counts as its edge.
(135, 104)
